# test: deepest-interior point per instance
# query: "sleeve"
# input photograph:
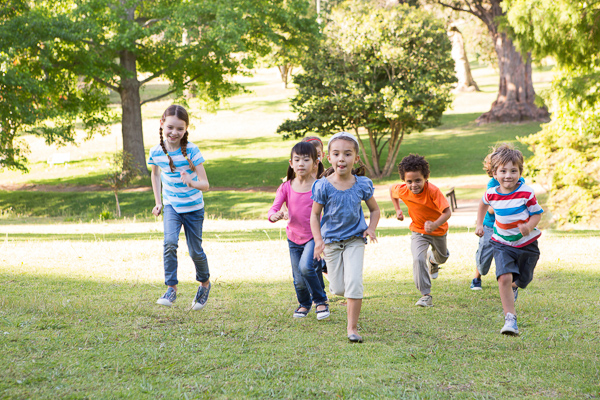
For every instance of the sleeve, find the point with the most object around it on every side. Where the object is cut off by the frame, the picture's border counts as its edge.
(366, 186)
(319, 194)
(440, 200)
(395, 190)
(533, 206)
(280, 198)
(492, 183)
(485, 198)
(150, 158)
(195, 155)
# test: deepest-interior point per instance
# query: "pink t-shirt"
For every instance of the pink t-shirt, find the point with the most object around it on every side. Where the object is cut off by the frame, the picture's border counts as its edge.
(299, 207)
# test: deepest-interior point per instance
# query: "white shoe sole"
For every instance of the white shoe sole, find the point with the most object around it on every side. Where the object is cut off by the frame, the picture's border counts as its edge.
(423, 305)
(197, 306)
(164, 302)
(322, 315)
(476, 288)
(509, 331)
(434, 276)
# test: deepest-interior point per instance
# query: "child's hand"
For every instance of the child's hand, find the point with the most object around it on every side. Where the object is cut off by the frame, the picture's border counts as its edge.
(286, 215)
(277, 216)
(319, 247)
(479, 230)
(371, 233)
(399, 215)
(157, 209)
(186, 178)
(525, 229)
(430, 226)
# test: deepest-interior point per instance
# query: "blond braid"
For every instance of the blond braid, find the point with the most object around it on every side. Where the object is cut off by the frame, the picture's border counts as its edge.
(184, 143)
(162, 144)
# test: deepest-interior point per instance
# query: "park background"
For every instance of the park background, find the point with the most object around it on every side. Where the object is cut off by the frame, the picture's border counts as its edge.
(78, 318)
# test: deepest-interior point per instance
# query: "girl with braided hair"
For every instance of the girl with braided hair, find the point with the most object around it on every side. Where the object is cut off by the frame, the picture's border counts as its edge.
(177, 165)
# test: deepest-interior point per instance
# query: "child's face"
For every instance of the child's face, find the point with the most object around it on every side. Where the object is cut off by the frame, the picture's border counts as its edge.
(342, 156)
(415, 181)
(508, 176)
(303, 165)
(173, 130)
(320, 153)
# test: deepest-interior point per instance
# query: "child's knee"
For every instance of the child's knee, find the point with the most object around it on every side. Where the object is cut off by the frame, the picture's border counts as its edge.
(505, 279)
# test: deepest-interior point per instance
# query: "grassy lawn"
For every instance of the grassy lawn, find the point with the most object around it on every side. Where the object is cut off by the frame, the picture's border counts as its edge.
(82, 326)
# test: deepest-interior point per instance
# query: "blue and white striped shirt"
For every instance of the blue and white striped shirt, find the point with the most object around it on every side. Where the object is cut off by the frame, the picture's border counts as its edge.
(174, 192)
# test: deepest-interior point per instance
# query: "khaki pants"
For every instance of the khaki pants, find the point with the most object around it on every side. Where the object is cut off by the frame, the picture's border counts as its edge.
(345, 267)
(419, 245)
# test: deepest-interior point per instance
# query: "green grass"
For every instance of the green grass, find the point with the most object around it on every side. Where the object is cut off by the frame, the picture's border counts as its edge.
(86, 338)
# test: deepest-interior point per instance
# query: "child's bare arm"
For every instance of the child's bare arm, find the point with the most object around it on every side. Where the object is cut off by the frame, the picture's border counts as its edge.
(156, 189)
(396, 203)
(373, 219)
(202, 182)
(526, 228)
(432, 226)
(481, 210)
(315, 227)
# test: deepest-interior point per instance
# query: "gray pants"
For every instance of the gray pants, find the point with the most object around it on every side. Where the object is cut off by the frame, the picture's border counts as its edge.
(419, 245)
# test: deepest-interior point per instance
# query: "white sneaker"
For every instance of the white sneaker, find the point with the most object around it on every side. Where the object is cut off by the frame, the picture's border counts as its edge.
(425, 301)
(433, 267)
(168, 298)
(510, 325)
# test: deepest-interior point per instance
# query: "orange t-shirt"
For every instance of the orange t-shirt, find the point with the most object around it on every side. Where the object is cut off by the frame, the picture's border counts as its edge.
(425, 206)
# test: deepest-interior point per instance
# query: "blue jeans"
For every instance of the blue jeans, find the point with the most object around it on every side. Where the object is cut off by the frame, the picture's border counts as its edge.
(192, 226)
(309, 288)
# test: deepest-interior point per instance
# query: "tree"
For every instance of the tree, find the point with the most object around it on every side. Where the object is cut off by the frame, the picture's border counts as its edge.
(122, 173)
(37, 98)
(295, 30)
(466, 83)
(567, 150)
(381, 72)
(516, 97)
(123, 45)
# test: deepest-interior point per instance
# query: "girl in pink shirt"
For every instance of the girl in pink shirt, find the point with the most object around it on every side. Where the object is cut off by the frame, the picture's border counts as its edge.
(295, 193)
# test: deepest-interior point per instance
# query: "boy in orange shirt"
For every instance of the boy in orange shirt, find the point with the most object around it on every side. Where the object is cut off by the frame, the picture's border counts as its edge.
(429, 211)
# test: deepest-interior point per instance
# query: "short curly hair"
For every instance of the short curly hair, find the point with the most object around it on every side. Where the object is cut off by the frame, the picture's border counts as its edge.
(501, 155)
(414, 163)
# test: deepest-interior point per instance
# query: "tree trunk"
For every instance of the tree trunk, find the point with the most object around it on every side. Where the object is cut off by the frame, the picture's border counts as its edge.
(466, 83)
(515, 101)
(118, 206)
(133, 137)
(284, 71)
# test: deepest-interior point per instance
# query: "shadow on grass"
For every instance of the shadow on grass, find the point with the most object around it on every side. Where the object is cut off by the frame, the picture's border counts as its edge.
(108, 337)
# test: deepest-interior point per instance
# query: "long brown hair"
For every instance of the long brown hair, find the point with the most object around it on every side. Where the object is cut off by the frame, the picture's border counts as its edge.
(304, 149)
(180, 113)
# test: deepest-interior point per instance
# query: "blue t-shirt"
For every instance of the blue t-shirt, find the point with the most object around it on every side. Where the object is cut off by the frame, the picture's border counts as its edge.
(343, 216)
(174, 192)
(490, 218)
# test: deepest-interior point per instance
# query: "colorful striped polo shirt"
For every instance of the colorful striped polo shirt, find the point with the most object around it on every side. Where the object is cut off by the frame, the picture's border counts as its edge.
(174, 192)
(511, 210)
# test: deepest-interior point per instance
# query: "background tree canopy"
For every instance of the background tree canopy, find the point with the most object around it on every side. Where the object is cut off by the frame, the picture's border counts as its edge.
(125, 45)
(381, 72)
(567, 150)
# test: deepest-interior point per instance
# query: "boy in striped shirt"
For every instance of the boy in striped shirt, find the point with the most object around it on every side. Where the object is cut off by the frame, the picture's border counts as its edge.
(515, 234)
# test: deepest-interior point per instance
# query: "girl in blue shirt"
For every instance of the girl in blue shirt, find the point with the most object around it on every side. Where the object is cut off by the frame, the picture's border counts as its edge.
(342, 232)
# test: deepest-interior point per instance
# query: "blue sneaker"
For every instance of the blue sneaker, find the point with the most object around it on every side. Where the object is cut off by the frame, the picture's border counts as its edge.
(510, 325)
(201, 297)
(476, 284)
(168, 298)
(516, 293)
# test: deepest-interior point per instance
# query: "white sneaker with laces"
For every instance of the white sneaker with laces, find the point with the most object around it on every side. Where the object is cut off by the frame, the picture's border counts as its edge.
(433, 267)
(425, 301)
(510, 325)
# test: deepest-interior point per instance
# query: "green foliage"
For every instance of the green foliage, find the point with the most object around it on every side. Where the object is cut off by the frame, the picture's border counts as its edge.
(295, 30)
(567, 150)
(381, 72)
(36, 95)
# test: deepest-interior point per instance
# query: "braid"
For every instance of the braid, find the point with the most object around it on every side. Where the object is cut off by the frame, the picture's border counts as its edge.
(184, 143)
(162, 144)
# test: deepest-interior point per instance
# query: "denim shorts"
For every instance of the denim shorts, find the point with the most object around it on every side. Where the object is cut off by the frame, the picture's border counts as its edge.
(518, 261)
